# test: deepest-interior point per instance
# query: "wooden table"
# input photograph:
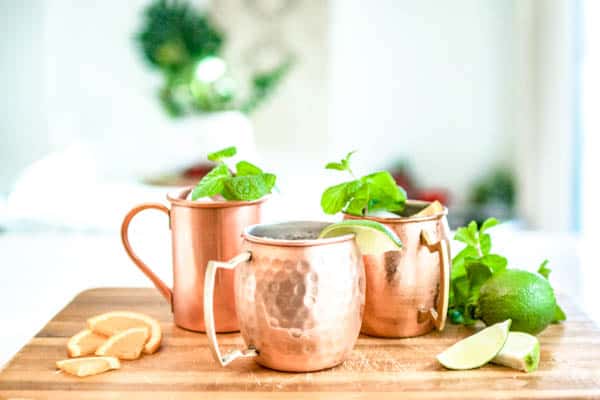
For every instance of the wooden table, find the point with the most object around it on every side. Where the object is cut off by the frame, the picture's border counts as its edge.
(569, 368)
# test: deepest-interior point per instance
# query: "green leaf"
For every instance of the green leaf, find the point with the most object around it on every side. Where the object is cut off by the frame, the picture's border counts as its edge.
(335, 165)
(221, 154)
(472, 227)
(383, 187)
(477, 273)
(249, 187)
(461, 288)
(487, 224)
(385, 204)
(359, 201)
(559, 314)
(343, 165)
(335, 198)
(495, 262)
(346, 160)
(466, 236)
(212, 183)
(458, 262)
(543, 270)
(270, 180)
(244, 168)
(485, 243)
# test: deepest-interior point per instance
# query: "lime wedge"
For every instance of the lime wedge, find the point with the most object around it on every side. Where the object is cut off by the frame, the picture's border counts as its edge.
(432, 209)
(477, 349)
(371, 236)
(521, 351)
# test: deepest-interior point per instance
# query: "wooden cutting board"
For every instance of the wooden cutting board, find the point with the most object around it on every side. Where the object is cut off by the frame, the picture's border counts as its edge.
(183, 368)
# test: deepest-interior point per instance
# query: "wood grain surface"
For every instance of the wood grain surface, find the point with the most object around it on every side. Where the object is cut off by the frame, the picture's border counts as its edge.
(569, 368)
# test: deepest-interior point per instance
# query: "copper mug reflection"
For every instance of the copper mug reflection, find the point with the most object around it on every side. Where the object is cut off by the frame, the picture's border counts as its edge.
(200, 231)
(407, 290)
(299, 300)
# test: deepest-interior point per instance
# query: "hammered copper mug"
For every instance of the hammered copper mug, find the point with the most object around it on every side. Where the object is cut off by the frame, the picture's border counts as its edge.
(299, 299)
(407, 290)
(200, 231)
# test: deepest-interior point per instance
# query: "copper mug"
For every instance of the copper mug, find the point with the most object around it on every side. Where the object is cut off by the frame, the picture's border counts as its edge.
(200, 231)
(407, 290)
(299, 299)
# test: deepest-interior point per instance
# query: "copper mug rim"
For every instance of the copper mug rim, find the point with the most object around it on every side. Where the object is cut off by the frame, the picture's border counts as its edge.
(405, 220)
(179, 197)
(247, 235)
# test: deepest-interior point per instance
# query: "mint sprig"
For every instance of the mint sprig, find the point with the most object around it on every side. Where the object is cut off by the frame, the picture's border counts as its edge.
(376, 191)
(249, 182)
(472, 267)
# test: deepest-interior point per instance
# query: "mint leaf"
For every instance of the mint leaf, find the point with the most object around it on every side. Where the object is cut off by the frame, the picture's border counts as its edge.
(335, 198)
(477, 273)
(384, 193)
(543, 270)
(248, 187)
(270, 180)
(359, 201)
(212, 183)
(343, 165)
(335, 165)
(559, 314)
(346, 160)
(221, 154)
(244, 168)
(383, 187)
(487, 224)
(485, 243)
(466, 236)
(458, 262)
(461, 289)
(495, 262)
(473, 231)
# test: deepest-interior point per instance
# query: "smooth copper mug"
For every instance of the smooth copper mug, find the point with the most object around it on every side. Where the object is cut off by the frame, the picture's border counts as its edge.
(200, 231)
(299, 300)
(407, 290)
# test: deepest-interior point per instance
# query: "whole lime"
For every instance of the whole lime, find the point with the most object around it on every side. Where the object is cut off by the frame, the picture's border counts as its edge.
(524, 297)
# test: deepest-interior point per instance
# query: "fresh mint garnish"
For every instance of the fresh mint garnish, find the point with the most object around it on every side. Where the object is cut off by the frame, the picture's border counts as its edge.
(376, 191)
(249, 182)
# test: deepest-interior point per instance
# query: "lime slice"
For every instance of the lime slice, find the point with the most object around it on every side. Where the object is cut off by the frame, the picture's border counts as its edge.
(432, 209)
(371, 236)
(477, 349)
(521, 351)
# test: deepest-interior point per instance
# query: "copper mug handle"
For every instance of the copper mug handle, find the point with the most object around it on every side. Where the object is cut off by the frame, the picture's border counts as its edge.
(160, 285)
(209, 319)
(438, 314)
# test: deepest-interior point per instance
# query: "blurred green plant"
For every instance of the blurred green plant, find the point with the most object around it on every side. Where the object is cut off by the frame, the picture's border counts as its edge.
(185, 46)
(496, 188)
